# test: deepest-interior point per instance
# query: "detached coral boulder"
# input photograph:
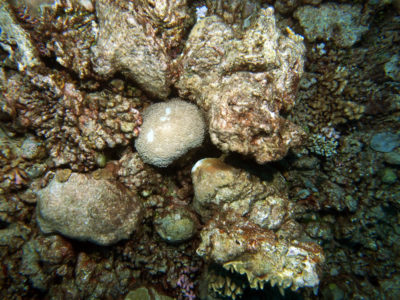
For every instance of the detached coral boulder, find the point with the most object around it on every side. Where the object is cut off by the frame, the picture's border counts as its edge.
(243, 79)
(87, 209)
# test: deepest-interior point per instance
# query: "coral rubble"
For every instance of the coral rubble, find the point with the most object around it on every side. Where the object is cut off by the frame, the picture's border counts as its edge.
(342, 24)
(76, 125)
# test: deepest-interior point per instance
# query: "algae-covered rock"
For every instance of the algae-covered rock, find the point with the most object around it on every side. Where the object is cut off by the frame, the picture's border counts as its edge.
(144, 293)
(175, 224)
(385, 142)
(388, 176)
(341, 23)
(87, 209)
(392, 158)
(125, 45)
(220, 187)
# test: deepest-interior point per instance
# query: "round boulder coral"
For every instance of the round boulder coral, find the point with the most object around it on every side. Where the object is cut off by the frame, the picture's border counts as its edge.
(87, 209)
(169, 130)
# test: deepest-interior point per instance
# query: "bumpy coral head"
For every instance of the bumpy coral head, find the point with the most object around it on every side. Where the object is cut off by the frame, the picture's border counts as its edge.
(169, 130)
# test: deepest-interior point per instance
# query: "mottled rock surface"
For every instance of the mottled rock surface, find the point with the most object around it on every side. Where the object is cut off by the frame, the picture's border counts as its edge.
(169, 19)
(126, 45)
(144, 293)
(16, 41)
(385, 142)
(243, 79)
(392, 158)
(51, 251)
(237, 12)
(87, 209)
(341, 23)
(219, 187)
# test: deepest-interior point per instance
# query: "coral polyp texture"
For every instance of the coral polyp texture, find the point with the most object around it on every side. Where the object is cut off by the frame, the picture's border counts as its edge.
(178, 149)
(243, 79)
(169, 130)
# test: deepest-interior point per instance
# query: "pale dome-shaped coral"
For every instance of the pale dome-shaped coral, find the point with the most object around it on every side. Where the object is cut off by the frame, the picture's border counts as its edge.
(169, 130)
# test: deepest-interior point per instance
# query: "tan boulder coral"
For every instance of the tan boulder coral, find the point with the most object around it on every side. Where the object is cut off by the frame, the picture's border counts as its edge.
(169, 130)
(250, 229)
(87, 209)
(243, 79)
(128, 42)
